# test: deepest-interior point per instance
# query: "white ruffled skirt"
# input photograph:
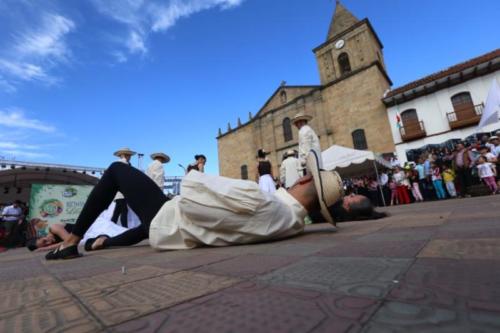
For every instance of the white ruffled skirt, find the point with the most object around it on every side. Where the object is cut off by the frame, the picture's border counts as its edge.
(266, 184)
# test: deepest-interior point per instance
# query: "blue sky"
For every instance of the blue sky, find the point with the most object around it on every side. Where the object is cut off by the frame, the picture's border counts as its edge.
(80, 79)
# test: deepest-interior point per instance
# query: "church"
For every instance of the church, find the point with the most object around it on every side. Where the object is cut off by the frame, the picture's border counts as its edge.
(346, 106)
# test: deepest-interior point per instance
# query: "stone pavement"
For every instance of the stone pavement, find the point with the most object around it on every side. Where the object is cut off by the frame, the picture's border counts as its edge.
(432, 267)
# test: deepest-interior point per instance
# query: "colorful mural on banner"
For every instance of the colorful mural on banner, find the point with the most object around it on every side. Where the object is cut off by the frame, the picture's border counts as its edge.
(55, 204)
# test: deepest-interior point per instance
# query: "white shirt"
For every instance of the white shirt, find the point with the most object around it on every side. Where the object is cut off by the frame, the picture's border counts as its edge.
(383, 179)
(399, 178)
(220, 211)
(485, 170)
(496, 151)
(290, 171)
(308, 140)
(156, 172)
(11, 210)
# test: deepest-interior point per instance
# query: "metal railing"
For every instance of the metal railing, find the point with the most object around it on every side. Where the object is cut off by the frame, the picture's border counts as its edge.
(467, 115)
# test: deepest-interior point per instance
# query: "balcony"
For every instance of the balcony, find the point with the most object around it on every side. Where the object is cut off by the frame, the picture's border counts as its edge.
(464, 116)
(412, 131)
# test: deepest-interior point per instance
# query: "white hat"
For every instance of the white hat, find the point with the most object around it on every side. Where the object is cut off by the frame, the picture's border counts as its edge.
(301, 116)
(124, 151)
(163, 156)
(328, 185)
(290, 152)
(494, 137)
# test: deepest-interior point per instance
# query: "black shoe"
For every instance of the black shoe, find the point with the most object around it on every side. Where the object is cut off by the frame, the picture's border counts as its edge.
(69, 252)
(90, 242)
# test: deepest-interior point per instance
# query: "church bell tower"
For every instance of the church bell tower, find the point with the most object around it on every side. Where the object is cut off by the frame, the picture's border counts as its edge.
(351, 44)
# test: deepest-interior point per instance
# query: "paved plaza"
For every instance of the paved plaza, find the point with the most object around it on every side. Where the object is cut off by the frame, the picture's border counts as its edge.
(431, 267)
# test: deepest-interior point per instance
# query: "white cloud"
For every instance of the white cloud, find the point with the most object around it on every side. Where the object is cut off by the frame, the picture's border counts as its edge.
(144, 17)
(165, 17)
(6, 86)
(13, 145)
(135, 43)
(35, 52)
(15, 118)
(48, 40)
(15, 153)
(24, 71)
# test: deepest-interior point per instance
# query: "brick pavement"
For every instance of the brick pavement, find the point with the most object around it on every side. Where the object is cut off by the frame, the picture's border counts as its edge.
(432, 267)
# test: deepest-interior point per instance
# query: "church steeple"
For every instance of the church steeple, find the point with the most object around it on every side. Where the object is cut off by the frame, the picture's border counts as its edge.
(342, 19)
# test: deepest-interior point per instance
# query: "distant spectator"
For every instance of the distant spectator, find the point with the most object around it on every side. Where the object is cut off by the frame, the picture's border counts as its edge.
(437, 181)
(198, 164)
(11, 216)
(449, 180)
(265, 172)
(401, 186)
(290, 170)
(487, 174)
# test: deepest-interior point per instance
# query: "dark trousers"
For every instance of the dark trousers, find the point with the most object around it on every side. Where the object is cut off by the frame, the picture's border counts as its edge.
(121, 211)
(142, 195)
(463, 179)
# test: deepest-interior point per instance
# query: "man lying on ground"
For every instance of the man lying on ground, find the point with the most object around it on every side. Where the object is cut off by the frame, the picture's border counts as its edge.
(211, 210)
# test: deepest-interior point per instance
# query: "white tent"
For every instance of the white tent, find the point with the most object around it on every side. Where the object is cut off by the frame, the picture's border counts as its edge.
(352, 162)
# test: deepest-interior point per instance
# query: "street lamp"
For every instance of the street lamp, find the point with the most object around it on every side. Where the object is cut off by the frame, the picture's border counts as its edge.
(183, 168)
(139, 160)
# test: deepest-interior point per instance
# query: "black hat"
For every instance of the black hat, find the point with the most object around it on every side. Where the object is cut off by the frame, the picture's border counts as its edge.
(262, 153)
(200, 156)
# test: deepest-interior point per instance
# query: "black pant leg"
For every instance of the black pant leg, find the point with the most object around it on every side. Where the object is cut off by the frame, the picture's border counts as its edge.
(129, 237)
(124, 214)
(141, 193)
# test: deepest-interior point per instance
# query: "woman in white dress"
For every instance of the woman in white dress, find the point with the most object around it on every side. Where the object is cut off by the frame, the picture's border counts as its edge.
(265, 172)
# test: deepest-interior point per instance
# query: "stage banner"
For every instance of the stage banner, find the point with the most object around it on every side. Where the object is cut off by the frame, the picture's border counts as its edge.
(55, 204)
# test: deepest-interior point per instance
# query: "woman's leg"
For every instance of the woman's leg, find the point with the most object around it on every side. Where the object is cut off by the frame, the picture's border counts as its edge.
(142, 194)
(129, 237)
(124, 214)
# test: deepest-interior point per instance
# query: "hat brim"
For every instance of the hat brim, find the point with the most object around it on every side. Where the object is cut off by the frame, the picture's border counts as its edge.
(124, 152)
(312, 165)
(164, 157)
(296, 119)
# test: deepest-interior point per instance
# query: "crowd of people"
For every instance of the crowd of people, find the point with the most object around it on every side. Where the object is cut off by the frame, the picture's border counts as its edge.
(436, 174)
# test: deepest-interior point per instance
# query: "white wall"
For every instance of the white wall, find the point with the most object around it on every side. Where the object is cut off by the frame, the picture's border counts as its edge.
(432, 109)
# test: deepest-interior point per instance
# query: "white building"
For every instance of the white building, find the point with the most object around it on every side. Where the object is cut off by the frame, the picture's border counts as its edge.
(442, 106)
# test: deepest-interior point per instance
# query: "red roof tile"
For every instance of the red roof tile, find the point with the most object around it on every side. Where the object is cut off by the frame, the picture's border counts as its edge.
(444, 73)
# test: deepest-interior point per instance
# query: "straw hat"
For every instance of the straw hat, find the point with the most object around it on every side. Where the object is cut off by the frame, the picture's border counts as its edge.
(301, 116)
(124, 151)
(328, 185)
(163, 156)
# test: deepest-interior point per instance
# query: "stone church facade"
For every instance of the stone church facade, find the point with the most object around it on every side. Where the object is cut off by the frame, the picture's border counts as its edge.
(347, 106)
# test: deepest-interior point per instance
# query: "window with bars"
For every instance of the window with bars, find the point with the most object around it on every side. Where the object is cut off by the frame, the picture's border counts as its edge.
(244, 171)
(359, 139)
(287, 129)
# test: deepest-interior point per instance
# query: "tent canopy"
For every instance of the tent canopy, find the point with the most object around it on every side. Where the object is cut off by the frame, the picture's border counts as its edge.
(351, 162)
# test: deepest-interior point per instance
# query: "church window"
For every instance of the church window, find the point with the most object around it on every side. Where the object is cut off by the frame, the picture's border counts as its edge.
(359, 139)
(287, 129)
(283, 97)
(244, 171)
(344, 64)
